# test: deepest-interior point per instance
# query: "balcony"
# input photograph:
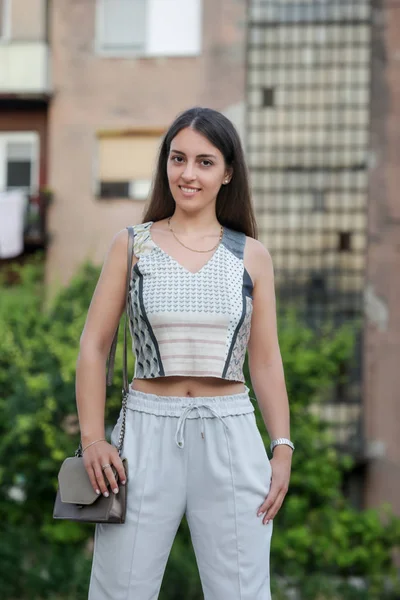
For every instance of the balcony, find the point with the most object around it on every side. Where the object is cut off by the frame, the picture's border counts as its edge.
(24, 68)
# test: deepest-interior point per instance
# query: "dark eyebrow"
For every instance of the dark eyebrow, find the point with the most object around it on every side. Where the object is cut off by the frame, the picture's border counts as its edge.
(198, 156)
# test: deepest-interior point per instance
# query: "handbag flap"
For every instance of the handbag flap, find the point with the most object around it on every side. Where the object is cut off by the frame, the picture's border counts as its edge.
(74, 483)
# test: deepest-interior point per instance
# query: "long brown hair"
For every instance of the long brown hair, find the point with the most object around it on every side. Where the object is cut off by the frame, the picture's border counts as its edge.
(234, 208)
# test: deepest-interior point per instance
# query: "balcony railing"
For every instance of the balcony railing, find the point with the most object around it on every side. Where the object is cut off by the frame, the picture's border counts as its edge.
(24, 68)
(35, 230)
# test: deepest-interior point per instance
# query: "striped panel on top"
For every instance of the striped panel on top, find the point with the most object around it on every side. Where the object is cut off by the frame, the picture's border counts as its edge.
(190, 342)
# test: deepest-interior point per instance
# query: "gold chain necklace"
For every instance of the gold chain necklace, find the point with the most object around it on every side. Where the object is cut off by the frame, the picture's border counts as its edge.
(192, 249)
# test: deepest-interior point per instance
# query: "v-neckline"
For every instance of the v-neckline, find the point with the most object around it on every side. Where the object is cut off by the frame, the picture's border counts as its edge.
(174, 260)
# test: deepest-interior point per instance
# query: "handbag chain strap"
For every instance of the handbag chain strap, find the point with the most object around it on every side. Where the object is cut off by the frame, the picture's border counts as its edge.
(113, 347)
(125, 389)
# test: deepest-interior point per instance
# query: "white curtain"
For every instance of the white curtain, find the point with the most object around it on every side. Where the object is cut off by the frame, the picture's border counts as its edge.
(12, 213)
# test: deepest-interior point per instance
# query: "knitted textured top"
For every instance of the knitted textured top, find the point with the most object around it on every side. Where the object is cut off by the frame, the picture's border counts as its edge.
(185, 323)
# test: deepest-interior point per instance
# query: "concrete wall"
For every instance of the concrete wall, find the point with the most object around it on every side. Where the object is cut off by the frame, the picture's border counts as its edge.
(382, 324)
(93, 93)
(28, 20)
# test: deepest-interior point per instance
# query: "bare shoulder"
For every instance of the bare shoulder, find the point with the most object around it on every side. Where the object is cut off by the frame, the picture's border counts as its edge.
(120, 240)
(108, 300)
(118, 248)
(257, 259)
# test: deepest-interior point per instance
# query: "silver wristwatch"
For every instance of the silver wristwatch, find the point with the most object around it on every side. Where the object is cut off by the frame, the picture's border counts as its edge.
(279, 441)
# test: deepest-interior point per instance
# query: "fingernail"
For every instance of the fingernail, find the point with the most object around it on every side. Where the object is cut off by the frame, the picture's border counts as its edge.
(97, 492)
(106, 494)
(115, 490)
(259, 513)
(123, 482)
(266, 522)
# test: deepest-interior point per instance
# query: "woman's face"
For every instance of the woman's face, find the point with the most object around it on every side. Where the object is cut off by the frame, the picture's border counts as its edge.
(196, 170)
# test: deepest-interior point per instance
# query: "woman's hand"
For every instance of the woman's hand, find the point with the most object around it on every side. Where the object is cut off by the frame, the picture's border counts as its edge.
(95, 458)
(281, 466)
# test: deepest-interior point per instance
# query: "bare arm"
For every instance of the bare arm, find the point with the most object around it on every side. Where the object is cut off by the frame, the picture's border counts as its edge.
(267, 375)
(265, 361)
(106, 308)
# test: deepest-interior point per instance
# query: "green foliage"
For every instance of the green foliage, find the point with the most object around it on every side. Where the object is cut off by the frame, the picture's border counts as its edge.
(317, 531)
(317, 534)
(38, 428)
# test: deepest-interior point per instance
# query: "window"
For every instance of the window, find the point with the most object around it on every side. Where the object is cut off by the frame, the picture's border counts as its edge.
(344, 241)
(126, 162)
(318, 201)
(148, 27)
(4, 18)
(268, 97)
(19, 161)
(122, 25)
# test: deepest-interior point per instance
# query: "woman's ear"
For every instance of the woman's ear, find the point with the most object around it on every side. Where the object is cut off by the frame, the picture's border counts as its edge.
(228, 176)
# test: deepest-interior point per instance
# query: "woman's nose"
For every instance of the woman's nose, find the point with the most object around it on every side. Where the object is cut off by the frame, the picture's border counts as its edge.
(189, 174)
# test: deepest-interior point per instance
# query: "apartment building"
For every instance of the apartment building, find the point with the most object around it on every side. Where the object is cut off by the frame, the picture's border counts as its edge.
(25, 90)
(322, 125)
(308, 82)
(24, 93)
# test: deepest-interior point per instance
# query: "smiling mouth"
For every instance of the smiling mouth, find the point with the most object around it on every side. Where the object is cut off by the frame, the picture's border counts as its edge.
(189, 190)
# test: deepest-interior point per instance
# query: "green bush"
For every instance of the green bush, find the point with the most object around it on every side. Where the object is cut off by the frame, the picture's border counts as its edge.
(317, 534)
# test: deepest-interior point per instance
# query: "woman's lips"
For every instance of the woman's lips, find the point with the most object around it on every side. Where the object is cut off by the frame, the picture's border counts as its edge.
(188, 191)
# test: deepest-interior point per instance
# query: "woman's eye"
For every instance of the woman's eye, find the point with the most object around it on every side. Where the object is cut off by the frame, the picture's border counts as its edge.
(180, 159)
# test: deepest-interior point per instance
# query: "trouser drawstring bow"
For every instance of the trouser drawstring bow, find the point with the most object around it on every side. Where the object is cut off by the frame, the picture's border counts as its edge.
(179, 439)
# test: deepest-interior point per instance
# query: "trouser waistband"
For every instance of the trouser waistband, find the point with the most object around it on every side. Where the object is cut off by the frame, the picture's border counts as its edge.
(185, 407)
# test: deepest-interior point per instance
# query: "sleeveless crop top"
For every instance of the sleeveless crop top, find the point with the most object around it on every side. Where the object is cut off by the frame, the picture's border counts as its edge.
(184, 323)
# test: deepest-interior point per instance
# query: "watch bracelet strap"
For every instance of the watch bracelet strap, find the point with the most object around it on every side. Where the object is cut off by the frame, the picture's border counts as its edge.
(280, 441)
(113, 347)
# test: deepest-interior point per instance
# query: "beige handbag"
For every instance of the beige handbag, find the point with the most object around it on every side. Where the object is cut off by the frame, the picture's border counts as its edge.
(76, 499)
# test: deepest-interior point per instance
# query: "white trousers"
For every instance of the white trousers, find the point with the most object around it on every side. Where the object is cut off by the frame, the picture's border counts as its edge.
(203, 457)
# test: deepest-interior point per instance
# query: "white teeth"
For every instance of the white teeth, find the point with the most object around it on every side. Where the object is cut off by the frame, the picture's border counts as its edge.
(188, 190)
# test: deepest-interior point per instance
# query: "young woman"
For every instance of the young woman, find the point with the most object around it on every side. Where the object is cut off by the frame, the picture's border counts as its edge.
(201, 292)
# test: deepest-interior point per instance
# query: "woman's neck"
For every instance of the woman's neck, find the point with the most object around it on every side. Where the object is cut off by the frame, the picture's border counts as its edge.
(196, 223)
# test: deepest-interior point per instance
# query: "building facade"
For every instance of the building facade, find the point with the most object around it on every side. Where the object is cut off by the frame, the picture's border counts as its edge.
(307, 121)
(122, 71)
(322, 123)
(24, 93)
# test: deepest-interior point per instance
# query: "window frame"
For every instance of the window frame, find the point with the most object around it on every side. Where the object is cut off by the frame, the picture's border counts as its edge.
(157, 132)
(31, 137)
(146, 52)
